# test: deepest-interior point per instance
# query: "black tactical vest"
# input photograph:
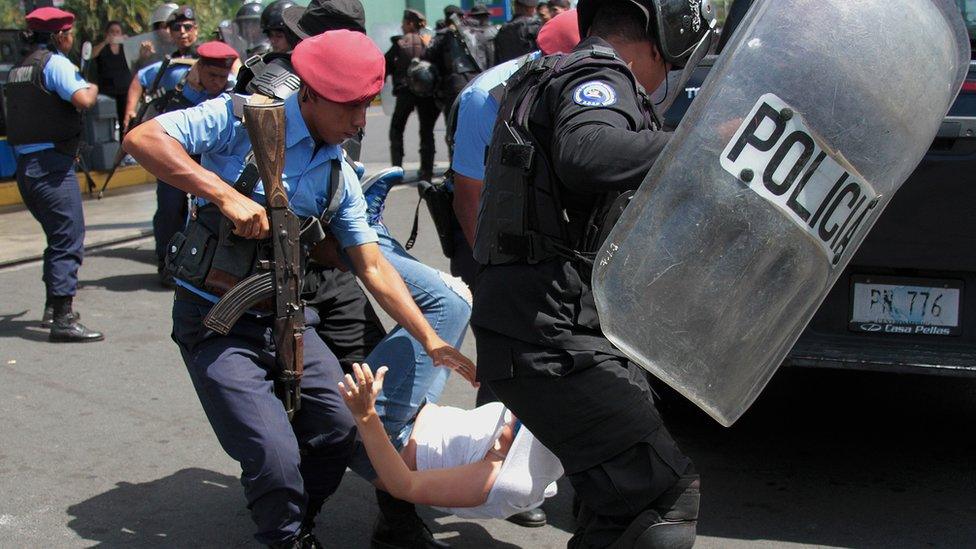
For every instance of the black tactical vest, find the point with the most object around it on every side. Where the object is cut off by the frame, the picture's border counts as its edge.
(521, 217)
(516, 38)
(36, 114)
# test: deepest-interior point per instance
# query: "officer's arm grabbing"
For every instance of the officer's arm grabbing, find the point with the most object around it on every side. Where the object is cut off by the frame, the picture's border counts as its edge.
(385, 284)
(165, 157)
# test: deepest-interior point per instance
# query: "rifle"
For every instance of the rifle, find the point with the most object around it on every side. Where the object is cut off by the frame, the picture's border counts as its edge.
(144, 102)
(282, 280)
(83, 147)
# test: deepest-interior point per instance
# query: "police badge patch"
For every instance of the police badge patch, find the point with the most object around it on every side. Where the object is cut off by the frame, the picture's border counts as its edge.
(595, 94)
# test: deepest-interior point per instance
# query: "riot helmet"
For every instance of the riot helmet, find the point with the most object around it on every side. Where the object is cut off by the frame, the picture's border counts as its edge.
(678, 26)
(421, 78)
(272, 17)
(161, 14)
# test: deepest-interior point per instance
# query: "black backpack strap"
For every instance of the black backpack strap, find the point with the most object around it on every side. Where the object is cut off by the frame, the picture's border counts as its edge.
(337, 184)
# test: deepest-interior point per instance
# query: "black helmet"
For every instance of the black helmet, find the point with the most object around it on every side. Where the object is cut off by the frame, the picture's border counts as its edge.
(271, 17)
(421, 78)
(250, 10)
(677, 25)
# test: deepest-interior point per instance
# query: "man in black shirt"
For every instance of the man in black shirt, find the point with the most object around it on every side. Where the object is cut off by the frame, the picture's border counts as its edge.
(591, 135)
(517, 37)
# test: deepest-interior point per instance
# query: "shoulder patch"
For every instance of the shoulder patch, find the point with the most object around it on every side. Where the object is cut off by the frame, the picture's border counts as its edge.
(595, 94)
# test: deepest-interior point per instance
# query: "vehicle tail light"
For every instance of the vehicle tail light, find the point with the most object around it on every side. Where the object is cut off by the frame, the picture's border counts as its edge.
(969, 86)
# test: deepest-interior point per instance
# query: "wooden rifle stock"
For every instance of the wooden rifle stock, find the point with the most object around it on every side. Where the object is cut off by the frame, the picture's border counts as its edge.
(266, 127)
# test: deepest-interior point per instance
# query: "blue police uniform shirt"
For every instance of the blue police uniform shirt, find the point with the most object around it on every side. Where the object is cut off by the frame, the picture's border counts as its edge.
(212, 131)
(477, 112)
(174, 74)
(61, 77)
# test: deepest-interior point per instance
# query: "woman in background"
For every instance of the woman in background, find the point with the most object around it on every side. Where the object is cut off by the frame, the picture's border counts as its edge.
(112, 68)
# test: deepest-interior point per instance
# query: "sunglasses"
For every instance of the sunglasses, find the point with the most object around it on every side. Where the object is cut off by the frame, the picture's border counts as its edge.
(185, 27)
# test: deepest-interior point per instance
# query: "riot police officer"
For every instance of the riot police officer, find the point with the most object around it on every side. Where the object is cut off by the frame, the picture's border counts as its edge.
(405, 48)
(273, 25)
(574, 133)
(286, 468)
(250, 35)
(44, 94)
(517, 37)
(460, 51)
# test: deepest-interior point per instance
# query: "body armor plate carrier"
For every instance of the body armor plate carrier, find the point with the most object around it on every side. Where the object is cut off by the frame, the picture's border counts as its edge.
(36, 114)
(521, 217)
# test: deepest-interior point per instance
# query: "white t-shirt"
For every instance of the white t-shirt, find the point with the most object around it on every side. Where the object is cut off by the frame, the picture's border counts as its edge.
(452, 437)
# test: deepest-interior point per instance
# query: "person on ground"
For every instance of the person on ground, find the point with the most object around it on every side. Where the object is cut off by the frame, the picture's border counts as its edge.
(44, 95)
(479, 463)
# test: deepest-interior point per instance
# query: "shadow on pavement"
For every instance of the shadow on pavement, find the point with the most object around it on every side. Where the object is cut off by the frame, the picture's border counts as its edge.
(139, 252)
(12, 325)
(127, 283)
(840, 459)
(190, 508)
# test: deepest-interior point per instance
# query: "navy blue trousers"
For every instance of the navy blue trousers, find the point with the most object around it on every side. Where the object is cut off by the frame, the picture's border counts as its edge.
(283, 464)
(46, 180)
(170, 216)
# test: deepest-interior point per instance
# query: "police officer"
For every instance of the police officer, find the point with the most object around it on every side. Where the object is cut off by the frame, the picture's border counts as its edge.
(172, 93)
(286, 469)
(517, 37)
(460, 52)
(589, 135)
(44, 94)
(247, 23)
(404, 50)
(273, 25)
(183, 32)
(477, 108)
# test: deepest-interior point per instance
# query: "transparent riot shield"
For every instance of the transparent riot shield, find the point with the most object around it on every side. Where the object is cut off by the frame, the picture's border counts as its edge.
(161, 44)
(815, 114)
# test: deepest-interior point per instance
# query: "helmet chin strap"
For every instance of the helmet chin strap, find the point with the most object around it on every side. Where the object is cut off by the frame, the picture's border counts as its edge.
(693, 60)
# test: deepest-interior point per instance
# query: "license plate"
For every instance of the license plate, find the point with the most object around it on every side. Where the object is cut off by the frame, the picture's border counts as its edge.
(907, 306)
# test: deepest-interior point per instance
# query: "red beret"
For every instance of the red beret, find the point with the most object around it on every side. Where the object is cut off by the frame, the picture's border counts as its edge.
(50, 20)
(560, 34)
(341, 65)
(217, 53)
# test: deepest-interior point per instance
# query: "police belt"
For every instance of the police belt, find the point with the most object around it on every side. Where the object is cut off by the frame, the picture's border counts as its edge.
(210, 257)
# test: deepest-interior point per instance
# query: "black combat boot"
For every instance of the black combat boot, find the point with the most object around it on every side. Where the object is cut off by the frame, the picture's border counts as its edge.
(533, 518)
(399, 527)
(66, 328)
(671, 520)
(305, 539)
(47, 319)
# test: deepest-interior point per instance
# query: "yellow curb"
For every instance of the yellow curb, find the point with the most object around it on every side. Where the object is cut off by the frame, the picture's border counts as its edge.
(124, 177)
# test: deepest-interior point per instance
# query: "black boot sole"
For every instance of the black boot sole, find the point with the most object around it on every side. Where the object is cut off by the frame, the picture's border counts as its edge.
(69, 339)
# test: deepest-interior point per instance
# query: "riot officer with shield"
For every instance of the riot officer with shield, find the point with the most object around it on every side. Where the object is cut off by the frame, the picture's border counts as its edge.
(460, 51)
(273, 25)
(574, 133)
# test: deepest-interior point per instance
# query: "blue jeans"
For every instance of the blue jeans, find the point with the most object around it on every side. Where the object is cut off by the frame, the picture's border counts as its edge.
(413, 378)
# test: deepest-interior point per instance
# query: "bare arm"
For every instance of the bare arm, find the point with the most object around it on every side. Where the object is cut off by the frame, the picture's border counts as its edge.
(385, 284)
(85, 98)
(467, 197)
(165, 158)
(132, 100)
(464, 486)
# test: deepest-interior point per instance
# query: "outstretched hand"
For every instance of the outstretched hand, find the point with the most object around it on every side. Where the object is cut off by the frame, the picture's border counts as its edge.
(449, 357)
(360, 393)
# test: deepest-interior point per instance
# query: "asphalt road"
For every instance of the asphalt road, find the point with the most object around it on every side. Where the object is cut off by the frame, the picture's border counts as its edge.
(106, 444)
